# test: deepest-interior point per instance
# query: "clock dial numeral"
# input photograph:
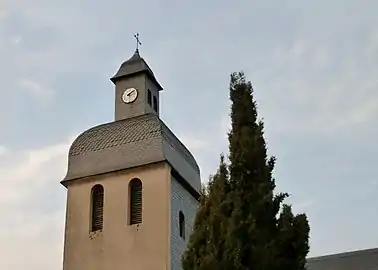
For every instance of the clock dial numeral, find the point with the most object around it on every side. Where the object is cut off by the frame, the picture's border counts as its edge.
(129, 95)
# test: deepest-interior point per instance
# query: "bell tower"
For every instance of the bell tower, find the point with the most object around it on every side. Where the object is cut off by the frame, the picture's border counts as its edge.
(136, 89)
(132, 186)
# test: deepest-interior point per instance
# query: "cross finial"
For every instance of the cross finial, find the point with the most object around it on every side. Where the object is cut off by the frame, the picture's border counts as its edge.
(137, 41)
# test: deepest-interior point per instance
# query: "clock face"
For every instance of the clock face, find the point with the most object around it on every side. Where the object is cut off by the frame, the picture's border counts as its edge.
(129, 95)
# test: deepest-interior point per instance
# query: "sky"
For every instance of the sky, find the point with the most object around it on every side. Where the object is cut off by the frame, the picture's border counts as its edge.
(312, 64)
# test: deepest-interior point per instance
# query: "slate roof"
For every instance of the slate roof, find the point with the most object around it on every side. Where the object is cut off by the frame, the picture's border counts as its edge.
(115, 134)
(129, 143)
(356, 260)
(135, 65)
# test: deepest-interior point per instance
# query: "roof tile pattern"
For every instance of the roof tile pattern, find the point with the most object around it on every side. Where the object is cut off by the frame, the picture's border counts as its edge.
(116, 134)
(356, 260)
(134, 65)
(129, 143)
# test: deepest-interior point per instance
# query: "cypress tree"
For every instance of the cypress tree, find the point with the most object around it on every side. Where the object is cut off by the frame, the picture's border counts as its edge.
(253, 221)
(221, 206)
(194, 256)
(240, 226)
(261, 237)
(293, 239)
(205, 248)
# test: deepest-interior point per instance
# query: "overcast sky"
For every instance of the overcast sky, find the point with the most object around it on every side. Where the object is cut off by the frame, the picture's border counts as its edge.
(313, 65)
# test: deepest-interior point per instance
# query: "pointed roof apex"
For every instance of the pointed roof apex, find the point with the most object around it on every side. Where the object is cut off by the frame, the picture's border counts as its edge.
(133, 66)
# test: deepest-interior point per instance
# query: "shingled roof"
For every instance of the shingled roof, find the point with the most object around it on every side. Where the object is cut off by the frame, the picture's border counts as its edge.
(133, 66)
(129, 143)
(356, 260)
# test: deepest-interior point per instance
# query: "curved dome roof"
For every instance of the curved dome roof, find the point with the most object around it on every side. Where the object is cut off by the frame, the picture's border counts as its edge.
(129, 143)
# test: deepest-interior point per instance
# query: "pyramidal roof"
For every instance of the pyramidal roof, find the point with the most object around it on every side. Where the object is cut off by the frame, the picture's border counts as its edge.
(135, 65)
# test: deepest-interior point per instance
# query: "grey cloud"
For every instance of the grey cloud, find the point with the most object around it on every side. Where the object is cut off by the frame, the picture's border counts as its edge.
(34, 229)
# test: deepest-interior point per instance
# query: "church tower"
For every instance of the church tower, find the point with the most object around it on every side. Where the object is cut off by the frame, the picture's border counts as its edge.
(132, 186)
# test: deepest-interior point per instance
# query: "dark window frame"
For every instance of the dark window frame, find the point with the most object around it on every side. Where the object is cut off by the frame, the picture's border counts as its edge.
(135, 201)
(97, 208)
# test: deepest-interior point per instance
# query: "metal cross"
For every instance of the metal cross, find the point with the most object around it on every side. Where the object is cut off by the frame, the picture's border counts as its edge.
(138, 41)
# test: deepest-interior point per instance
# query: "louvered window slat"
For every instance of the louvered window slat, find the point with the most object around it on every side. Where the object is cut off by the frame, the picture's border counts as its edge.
(135, 201)
(97, 207)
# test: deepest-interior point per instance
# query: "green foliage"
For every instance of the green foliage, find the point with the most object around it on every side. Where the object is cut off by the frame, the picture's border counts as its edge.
(293, 239)
(241, 223)
(206, 244)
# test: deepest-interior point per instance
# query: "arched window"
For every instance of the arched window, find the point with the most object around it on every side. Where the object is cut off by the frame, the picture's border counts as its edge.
(182, 224)
(97, 207)
(135, 195)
